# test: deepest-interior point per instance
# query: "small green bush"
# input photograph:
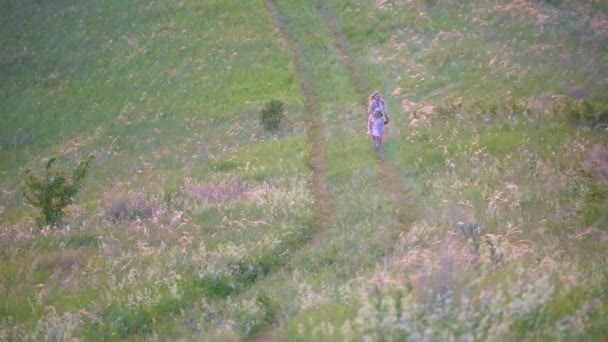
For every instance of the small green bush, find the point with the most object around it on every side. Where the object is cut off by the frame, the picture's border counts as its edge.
(53, 191)
(272, 114)
(577, 112)
(215, 287)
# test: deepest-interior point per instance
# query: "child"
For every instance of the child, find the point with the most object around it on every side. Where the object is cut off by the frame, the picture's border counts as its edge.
(375, 127)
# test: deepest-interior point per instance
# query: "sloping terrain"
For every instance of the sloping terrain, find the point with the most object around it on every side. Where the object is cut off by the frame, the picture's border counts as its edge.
(482, 217)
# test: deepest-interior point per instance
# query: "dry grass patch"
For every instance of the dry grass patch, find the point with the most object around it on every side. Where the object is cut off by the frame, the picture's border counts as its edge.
(529, 11)
(596, 160)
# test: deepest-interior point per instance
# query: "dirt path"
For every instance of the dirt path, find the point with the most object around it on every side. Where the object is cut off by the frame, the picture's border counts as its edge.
(403, 198)
(324, 203)
(324, 211)
(344, 49)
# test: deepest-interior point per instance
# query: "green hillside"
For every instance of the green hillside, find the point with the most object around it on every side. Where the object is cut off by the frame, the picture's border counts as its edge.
(484, 216)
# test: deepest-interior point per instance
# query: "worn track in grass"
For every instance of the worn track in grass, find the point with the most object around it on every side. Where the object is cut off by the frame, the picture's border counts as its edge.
(324, 211)
(324, 204)
(393, 185)
(403, 199)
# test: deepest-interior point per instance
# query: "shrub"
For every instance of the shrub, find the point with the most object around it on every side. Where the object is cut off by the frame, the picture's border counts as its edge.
(53, 191)
(272, 115)
(577, 112)
(269, 313)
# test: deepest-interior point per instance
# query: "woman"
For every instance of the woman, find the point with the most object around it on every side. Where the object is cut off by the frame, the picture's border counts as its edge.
(376, 104)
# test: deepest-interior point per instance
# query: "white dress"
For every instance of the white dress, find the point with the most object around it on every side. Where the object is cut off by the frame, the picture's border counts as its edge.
(377, 125)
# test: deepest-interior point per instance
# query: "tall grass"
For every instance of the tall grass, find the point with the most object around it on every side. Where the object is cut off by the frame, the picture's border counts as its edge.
(197, 224)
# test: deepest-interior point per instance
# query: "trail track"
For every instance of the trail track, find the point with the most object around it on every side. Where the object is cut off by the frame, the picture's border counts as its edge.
(393, 184)
(325, 204)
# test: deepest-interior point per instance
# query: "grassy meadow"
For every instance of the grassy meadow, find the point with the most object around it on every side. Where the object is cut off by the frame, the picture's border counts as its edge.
(484, 216)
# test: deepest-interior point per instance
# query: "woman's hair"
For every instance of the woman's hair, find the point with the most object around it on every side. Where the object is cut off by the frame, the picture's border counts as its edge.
(371, 97)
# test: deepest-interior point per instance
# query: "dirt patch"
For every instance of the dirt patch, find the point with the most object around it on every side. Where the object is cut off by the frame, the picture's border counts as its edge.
(596, 161)
(384, 5)
(544, 103)
(525, 9)
(577, 92)
(65, 260)
(218, 193)
(447, 35)
(600, 26)
(421, 114)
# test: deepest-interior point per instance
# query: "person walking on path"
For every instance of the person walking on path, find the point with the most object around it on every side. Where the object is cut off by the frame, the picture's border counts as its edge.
(377, 117)
(375, 104)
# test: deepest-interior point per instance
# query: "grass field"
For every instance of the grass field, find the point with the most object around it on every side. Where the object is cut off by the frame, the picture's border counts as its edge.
(483, 217)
